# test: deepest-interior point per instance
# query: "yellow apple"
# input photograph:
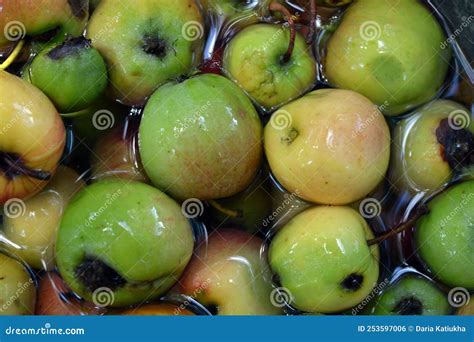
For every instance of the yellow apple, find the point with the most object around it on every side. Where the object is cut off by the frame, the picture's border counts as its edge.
(330, 146)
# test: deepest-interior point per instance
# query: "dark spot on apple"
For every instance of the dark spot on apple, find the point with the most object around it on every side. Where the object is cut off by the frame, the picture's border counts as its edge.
(79, 8)
(154, 45)
(353, 282)
(71, 46)
(457, 145)
(48, 35)
(12, 165)
(94, 273)
(408, 306)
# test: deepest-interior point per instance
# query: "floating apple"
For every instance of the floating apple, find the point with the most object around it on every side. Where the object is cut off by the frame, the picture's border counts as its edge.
(146, 43)
(72, 74)
(35, 229)
(21, 17)
(228, 273)
(200, 138)
(431, 145)
(32, 137)
(256, 60)
(444, 236)
(390, 52)
(122, 242)
(17, 288)
(232, 8)
(412, 295)
(323, 260)
(115, 154)
(330, 146)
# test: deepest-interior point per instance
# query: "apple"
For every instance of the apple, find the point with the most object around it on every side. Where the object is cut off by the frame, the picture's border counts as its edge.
(17, 288)
(122, 242)
(35, 229)
(21, 17)
(431, 145)
(466, 310)
(54, 299)
(412, 295)
(323, 260)
(443, 237)
(200, 138)
(330, 146)
(115, 154)
(232, 8)
(32, 138)
(228, 273)
(161, 309)
(72, 74)
(255, 60)
(146, 43)
(367, 54)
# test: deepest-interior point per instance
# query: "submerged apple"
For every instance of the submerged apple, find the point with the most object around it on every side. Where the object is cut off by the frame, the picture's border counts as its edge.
(323, 260)
(200, 138)
(32, 137)
(146, 43)
(122, 242)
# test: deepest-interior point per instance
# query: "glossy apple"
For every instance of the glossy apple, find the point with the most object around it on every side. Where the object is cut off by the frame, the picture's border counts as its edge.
(228, 273)
(161, 309)
(444, 236)
(330, 146)
(32, 137)
(146, 43)
(200, 138)
(254, 59)
(367, 54)
(35, 230)
(122, 242)
(323, 260)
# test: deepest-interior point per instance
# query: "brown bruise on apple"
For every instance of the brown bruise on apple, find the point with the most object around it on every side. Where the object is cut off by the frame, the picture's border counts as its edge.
(457, 145)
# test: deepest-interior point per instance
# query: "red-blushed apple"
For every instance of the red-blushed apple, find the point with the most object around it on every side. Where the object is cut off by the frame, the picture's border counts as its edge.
(55, 299)
(330, 147)
(229, 273)
(32, 138)
(116, 155)
(161, 309)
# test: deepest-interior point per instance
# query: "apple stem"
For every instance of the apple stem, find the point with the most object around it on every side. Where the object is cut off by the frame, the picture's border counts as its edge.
(16, 51)
(19, 168)
(312, 23)
(276, 7)
(422, 210)
(224, 210)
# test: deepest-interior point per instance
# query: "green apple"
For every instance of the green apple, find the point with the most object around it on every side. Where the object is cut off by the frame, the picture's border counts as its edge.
(322, 258)
(35, 230)
(390, 52)
(32, 138)
(21, 17)
(122, 240)
(428, 146)
(330, 146)
(228, 273)
(17, 288)
(412, 295)
(254, 60)
(115, 154)
(444, 236)
(146, 43)
(200, 138)
(72, 74)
